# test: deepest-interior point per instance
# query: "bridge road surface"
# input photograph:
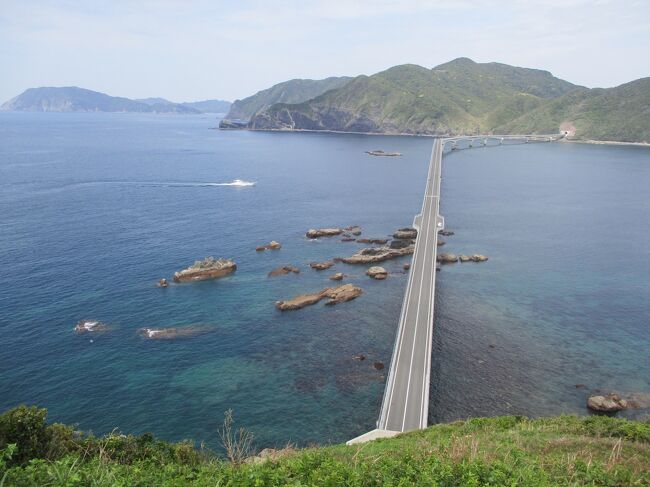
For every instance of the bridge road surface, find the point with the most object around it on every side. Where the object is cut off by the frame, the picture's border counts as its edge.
(405, 404)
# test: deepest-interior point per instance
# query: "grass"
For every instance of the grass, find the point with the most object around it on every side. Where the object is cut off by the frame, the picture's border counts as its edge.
(502, 451)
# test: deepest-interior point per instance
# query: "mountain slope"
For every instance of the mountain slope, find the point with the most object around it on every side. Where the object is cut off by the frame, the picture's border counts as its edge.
(620, 114)
(209, 106)
(74, 99)
(457, 97)
(292, 91)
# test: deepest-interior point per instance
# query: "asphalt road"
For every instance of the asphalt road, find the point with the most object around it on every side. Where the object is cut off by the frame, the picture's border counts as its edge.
(406, 399)
(405, 405)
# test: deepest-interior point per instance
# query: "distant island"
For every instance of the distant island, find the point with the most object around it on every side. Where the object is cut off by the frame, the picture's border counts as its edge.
(455, 98)
(74, 99)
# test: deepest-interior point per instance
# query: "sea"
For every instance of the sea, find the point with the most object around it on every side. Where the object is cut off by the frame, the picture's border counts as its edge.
(95, 208)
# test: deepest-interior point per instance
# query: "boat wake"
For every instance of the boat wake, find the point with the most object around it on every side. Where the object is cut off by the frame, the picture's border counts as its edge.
(236, 182)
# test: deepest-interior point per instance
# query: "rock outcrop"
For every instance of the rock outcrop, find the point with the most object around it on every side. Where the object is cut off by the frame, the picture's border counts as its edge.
(473, 258)
(410, 233)
(377, 272)
(334, 295)
(607, 404)
(162, 283)
(321, 266)
(323, 232)
(446, 233)
(378, 241)
(354, 229)
(401, 243)
(447, 258)
(337, 277)
(374, 255)
(208, 268)
(172, 333)
(378, 365)
(89, 326)
(348, 239)
(272, 245)
(281, 271)
(406, 266)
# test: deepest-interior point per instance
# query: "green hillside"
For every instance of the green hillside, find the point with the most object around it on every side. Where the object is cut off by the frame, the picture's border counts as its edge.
(509, 450)
(292, 91)
(464, 97)
(457, 97)
(620, 114)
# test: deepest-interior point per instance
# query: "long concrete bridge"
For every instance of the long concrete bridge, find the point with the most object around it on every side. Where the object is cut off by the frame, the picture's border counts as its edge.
(405, 405)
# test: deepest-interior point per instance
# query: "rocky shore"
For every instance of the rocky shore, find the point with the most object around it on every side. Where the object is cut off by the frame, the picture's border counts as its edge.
(334, 295)
(208, 268)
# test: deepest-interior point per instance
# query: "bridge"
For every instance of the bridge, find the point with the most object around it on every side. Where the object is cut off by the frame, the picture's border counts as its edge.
(405, 405)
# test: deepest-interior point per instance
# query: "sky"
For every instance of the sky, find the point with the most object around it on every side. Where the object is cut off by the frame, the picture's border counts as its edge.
(186, 50)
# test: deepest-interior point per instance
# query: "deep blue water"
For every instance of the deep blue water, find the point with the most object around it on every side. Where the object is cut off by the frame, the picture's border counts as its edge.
(95, 208)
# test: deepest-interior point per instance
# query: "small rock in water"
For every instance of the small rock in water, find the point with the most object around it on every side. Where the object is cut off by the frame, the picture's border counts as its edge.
(280, 271)
(378, 365)
(378, 241)
(581, 386)
(354, 229)
(320, 266)
(406, 266)
(208, 268)
(163, 283)
(377, 272)
(410, 233)
(334, 295)
(323, 232)
(440, 243)
(446, 233)
(607, 404)
(401, 243)
(447, 258)
(359, 356)
(337, 277)
(89, 326)
(272, 245)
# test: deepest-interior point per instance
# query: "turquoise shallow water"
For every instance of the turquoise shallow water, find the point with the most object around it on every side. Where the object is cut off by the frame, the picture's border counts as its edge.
(94, 208)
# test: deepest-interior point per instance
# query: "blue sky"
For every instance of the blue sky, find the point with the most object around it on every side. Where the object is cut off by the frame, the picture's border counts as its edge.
(190, 50)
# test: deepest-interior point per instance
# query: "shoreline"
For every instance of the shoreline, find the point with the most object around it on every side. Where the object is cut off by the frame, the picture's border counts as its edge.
(433, 136)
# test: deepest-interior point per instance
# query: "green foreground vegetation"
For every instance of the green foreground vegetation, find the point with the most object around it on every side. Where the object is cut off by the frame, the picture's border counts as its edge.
(509, 450)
